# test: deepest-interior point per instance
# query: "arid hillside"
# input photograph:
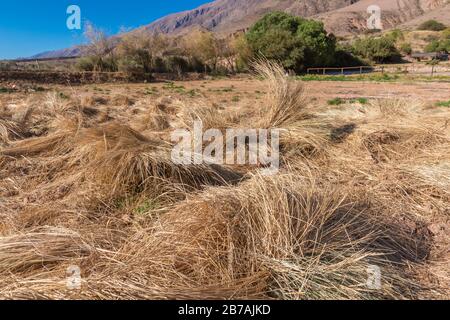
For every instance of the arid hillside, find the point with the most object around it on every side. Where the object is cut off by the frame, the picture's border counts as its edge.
(228, 16)
(353, 19)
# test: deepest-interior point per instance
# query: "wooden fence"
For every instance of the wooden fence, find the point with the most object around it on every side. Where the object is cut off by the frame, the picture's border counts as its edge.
(342, 70)
(395, 69)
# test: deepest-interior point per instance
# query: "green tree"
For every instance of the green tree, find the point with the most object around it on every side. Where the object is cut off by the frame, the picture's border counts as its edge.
(379, 50)
(243, 51)
(438, 46)
(295, 42)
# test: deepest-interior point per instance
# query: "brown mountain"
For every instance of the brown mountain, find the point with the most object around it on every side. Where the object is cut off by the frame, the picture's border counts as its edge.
(226, 16)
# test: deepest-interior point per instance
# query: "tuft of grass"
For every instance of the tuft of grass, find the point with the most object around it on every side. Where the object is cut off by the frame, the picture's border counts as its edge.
(443, 104)
(173, 87)
(361, 100)
(5, 90)
(285, 97)
(96, 188)
(151, 91)
(336, 102)
(236, 99)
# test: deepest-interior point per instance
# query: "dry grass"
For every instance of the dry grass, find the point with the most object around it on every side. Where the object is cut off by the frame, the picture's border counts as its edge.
(88, 185)
(285, 104)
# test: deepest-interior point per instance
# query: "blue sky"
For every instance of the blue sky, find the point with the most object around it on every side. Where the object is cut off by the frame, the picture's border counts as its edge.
(33, 26)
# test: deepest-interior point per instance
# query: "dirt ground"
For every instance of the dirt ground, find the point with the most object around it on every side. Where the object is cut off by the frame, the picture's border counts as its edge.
(327, 90)
(225, 89)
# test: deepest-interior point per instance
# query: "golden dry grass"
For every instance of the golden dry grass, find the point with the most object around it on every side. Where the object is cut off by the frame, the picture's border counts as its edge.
(88, 185)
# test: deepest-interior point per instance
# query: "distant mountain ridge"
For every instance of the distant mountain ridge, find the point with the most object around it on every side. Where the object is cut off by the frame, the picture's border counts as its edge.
(226, 16)
(64, 53)
(342, 17)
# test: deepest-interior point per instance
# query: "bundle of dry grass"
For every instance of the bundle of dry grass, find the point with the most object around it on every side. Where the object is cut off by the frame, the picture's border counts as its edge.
(285, 103)
(13, 127)
(109, 162)
(280, 237)
(43, 247)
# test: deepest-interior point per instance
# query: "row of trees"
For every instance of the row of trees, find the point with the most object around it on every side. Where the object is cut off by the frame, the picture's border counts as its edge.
(295, 42)
(141, 52)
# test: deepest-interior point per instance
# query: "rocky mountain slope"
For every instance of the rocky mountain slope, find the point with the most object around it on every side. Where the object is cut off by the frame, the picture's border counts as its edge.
(225, 16)
(353, 19)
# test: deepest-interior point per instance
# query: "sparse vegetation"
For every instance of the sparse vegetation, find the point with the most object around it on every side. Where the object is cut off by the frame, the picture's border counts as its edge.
(406, 48)
(338, 101)
(376, 49)
(5, 90)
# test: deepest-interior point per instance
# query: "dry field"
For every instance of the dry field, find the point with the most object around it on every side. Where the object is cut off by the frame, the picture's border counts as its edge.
(86, 180)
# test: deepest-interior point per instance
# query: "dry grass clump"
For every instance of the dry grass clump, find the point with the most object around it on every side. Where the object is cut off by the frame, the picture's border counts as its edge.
(285, 102)
(13, 127)
(122, 100)
(40, 248)
(210, 116)
(155, 118)
(98, 165)
(304, 237)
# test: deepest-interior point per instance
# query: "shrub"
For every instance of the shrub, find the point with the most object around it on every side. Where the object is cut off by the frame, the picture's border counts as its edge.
(344, 57)
(176, 64)
(438, 46)
(130, 65)
(396, 35)
(205, 47)
(95, 63)
(432, 25)
(85, 64)
(5, 90)
(406, 48)
(446, 34)
(378, 50)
